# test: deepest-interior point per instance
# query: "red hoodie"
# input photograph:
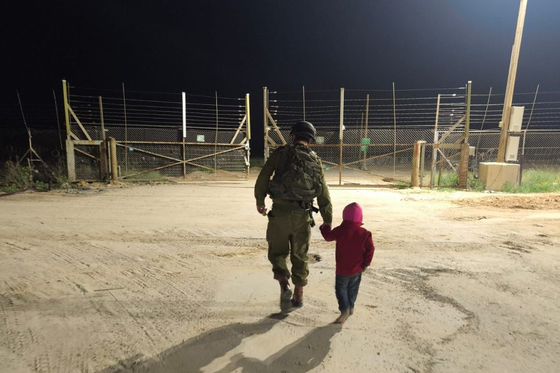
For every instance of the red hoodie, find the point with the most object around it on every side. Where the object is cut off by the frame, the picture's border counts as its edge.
(354, 245)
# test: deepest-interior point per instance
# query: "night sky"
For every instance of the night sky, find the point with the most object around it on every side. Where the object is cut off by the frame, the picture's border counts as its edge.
(235, 47)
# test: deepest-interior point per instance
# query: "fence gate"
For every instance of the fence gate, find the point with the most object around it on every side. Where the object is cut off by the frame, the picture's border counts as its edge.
(364, 137)
(156, 135)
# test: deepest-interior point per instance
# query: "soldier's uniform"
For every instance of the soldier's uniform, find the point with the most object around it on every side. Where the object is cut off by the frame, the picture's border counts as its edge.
(289, 224)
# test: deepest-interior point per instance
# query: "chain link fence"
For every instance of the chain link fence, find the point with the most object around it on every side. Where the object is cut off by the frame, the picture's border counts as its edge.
(380, 129)
(374, 144)
(160, 135)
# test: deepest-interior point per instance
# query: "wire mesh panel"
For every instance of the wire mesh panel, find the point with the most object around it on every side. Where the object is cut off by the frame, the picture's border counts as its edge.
(378, 132)
(87, 162)
(161, 134)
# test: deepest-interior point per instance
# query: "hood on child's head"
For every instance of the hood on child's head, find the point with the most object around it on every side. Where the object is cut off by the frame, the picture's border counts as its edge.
(352, 212)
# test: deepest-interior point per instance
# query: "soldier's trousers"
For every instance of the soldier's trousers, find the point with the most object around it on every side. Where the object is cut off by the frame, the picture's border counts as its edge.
(288, 233)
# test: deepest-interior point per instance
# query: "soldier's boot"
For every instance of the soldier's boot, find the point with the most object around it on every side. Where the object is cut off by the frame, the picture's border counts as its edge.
(297, 300)
(285, 291)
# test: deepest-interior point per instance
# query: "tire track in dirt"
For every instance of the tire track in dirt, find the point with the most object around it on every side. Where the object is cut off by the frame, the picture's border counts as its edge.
(21, 338)
(415, 280)
(121, 329)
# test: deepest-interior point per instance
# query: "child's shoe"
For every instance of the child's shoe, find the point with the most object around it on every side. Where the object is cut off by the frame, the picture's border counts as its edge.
(342, 318)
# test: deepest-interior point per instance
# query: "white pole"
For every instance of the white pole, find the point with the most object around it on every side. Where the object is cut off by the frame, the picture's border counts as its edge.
(341, 128)
(184, 96)
(436, 140)
(303, 92)
(340, 135)
(394, 132)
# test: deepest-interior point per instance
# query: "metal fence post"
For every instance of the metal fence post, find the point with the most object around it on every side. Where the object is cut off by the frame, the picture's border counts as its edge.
(248, 116)
(265, 123)
(340, 135)
(184, 146)
(366, 146)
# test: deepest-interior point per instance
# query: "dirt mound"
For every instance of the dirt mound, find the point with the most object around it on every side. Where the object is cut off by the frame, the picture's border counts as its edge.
(529, 202)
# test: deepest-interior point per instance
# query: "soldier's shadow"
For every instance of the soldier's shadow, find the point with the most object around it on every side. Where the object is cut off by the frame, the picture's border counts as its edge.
(196, 353)
(300, 356)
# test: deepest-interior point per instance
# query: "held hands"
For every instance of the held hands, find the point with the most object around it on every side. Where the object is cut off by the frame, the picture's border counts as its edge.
(262, 210)
(325, 226)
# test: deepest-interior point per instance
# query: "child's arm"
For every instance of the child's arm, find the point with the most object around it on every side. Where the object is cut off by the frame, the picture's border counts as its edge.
(368, 252)
(328, 233)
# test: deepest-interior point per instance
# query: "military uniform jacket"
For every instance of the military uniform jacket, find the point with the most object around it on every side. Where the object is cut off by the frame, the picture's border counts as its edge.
(261, 187)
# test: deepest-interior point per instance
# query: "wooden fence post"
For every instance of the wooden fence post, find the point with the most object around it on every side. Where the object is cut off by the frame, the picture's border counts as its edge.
(113, 153)
(414, 182)
(464, 166)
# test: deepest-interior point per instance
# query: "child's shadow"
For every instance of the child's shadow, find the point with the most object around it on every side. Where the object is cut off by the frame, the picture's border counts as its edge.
(300, 356)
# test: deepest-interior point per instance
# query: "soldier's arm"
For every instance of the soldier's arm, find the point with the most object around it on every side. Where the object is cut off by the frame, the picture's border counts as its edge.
(261, 185)
(324, 200)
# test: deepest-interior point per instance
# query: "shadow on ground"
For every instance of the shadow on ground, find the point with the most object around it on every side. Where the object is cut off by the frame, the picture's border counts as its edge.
(300, 356)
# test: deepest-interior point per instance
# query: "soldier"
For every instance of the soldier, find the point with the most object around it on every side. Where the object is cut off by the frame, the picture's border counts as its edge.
(297, 178)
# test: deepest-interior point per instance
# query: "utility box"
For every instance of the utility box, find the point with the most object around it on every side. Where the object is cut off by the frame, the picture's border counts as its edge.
(512, 148)
(516, 118)
(495, 175)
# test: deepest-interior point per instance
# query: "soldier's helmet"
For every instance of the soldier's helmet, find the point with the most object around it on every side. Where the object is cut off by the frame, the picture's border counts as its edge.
(304, 129)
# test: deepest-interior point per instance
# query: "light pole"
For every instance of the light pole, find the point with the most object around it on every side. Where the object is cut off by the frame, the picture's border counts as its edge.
(506, 112)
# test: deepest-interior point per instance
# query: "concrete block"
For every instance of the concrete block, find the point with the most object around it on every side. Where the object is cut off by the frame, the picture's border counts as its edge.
(495, 175)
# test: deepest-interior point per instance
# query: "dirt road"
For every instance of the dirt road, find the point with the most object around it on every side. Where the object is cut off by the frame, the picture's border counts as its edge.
(174, 278)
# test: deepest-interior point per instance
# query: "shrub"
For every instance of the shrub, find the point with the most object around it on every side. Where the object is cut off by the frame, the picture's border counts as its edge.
(15, 177)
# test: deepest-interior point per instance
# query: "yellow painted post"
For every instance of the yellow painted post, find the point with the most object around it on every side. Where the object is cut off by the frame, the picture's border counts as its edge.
(70, 160)
(66, 114)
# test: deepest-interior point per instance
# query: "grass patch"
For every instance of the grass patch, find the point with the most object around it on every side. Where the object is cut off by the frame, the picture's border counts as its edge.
(450, 180)
(447, 179)
(533, 181)
(536, 181)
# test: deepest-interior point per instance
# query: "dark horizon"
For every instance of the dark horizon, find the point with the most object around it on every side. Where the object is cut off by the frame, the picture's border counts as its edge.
(202, 47)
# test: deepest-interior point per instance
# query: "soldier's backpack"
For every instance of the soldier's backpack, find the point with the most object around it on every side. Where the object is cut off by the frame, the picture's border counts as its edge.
(297, 176)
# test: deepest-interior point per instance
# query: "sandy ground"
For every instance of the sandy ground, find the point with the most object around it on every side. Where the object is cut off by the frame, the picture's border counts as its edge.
(174, 278)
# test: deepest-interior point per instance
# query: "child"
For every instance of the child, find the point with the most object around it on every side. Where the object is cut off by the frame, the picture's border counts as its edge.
(354, 251)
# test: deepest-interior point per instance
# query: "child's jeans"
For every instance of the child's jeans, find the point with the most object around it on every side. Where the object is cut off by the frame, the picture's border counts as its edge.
(346, 289)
